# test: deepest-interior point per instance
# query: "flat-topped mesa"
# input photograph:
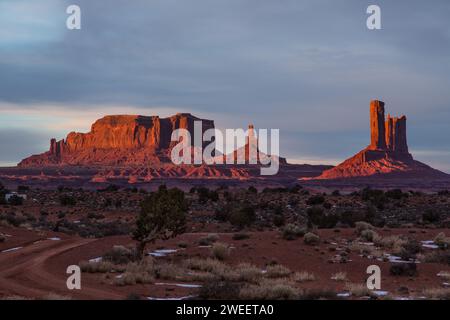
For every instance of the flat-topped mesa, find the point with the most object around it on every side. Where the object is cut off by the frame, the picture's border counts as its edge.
(118, 139)
(125, 131)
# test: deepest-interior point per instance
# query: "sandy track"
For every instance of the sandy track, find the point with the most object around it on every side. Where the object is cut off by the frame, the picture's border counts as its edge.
(23, 272)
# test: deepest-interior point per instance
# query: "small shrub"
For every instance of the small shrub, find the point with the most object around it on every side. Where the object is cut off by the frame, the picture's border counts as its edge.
(137, 273)
(205, 265)
(442, 241)
(220, 251)
(438, 256)
(403, 269)
(361, 226)
(56, 297)
(270, 290)
(15, 200)
(431, 216)
(358, 289)
(220, 290)
(315, 200)
(66, 200)
(96, 266)
(168, 271)
(120, 255)
(183, 244)
(243, 217)
(437, 293)
(368, 235)
(292, 232)
(278, 220)
(303, 276)
(133, 296)
(2, 238)
(241, 236)
(339, 276)
(311, 239)
(208, 240)
(248, 272)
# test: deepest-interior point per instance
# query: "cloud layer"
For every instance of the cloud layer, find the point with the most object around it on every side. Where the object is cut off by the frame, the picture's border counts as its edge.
(309, 68)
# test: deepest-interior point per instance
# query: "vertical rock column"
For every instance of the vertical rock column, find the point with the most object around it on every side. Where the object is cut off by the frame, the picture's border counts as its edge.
(389, 127)
(400, 141)
(377, 126)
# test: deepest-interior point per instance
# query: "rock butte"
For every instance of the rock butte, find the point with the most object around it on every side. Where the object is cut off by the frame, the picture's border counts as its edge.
(387, 154)
(118, 140)
(139, 147)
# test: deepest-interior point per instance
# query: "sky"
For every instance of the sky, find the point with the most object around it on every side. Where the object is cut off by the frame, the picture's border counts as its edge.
(308, 68)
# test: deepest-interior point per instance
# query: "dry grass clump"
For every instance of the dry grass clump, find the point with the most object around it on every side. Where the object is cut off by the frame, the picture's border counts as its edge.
(55, 296)
(437, 293)
(358, 289)
(339, 276)
(119, 255)
(248, 273)
(369, 235)
(437, 256)
(205, 265)
(208, 240)
(303, 276)
(391, 242)
(15, 297)
(270, 289)
(365, 249)
(220, 251)
(168, 271)
(277, 271)
(137, 273)
(444, 275)
(442, 241)
(96, 266)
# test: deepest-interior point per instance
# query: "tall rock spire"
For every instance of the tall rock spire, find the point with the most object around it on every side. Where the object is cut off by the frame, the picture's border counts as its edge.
(377, 126)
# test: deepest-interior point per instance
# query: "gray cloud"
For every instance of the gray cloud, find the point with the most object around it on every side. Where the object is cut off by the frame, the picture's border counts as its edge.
(307, 67)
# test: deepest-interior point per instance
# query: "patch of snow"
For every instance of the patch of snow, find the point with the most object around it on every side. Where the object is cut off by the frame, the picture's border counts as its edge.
(12, 249)
(54, 239)
(380, 293)
(181, 285)
(430, 244)
(171, 299)
(162, 252)
(96, 259)
(343, 294)
(370, 244)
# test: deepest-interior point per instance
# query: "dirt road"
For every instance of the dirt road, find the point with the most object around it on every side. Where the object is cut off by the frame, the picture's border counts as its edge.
(23, 272)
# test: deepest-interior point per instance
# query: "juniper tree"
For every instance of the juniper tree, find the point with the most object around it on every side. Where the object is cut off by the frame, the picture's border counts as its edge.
(162, 216)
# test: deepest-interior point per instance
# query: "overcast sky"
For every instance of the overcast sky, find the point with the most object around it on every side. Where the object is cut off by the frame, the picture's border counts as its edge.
(309, 68)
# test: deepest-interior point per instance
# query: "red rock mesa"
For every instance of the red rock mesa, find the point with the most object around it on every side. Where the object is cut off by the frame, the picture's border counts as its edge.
(118, 140)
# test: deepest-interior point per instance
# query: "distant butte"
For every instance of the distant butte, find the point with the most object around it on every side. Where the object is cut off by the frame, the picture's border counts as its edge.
(387, 154)
(118, 140)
